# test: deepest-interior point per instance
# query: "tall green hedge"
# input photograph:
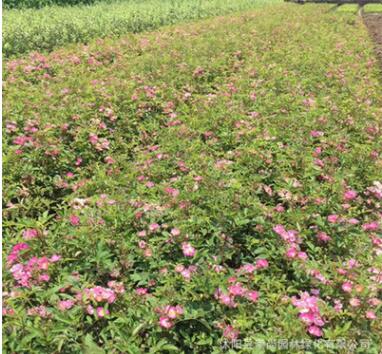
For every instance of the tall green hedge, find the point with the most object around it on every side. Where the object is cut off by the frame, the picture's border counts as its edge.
(18, 4)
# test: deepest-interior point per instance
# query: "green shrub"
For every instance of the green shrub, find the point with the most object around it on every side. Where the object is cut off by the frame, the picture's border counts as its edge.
(373, 8)
(51, 27)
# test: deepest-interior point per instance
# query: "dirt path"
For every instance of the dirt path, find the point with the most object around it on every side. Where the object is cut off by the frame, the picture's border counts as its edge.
(374, 25)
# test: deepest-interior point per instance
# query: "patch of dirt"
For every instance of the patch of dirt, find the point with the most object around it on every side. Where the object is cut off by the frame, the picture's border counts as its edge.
(374, 25)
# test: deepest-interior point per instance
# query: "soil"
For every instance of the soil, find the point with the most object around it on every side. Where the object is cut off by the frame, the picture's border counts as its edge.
(374, 24)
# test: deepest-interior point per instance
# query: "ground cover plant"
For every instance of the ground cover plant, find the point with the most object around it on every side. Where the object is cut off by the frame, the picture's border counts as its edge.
(47, 28)
(169, 191)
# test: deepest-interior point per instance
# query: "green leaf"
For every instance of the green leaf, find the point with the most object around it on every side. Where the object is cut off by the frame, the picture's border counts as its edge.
(90, 347)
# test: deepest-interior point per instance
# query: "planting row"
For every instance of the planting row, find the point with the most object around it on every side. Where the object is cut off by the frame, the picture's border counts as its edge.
(50, 27)
(17, 4)
(354, 8)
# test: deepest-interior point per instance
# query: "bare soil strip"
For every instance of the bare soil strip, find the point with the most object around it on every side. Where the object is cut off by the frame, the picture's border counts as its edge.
(374, 25)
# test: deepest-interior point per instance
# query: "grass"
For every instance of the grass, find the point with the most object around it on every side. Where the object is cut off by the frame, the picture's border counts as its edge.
(170, 168)
(53, 26)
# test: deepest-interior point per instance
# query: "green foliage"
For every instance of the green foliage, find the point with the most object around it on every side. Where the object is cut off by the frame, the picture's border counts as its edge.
(121, 154)
(53, 26)
(351, 8)
(370, 8)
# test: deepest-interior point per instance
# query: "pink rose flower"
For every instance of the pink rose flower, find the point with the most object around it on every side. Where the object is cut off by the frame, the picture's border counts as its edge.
(141, 291)
(165, 322)
(350, 195)
(354, 302)
(231, 333)
(30, 234)
(347, 287)
(372, 226)
(101, 312)
(262, 263)
(65, 305)
(252, 295)
(370, 315)
(316, 133)
(323, 236)
(315, 331)
(333, 218)
(154, 227)
(74, 220)
(175, 232)
(188, 250)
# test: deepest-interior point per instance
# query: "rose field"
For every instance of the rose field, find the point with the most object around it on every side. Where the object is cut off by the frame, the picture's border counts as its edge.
(206, 187)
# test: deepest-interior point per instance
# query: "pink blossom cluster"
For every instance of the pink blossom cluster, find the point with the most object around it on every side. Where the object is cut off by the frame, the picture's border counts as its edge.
(154, 227)
(168, 314)
(99, 311)
(13, 257)
(336, 219)
(377, 244)
(186, 272)
(235, 290)
(174, 123)
(375, 190)
(188, 249)
(40, 63)
(323, 236)
(64, 305)
(29, 234)
(10, 127)
(317, 274)
(316, 133)
(350, 195)
(309, 312)
(100, 144)
(150, 91)
(108, 112)
(99, 294)
(118, 287)
(370, 313)
(109, 160)
(8, 311)
(371, 226)
(250, 268)
(173, 192)
(377, 275)
(31, 126)
(229, 331)
(40, 311)
(23, 140)
(292, 239)
(74, 220)
(141, 291)
(104, 199)
(34, 272)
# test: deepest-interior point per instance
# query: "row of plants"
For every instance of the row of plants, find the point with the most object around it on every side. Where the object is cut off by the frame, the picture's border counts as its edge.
(200, 189)
(372, 8)
(37, 4)
(44, 29)
(354, 8)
